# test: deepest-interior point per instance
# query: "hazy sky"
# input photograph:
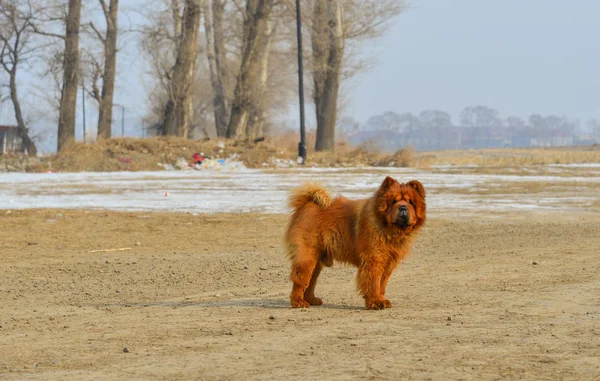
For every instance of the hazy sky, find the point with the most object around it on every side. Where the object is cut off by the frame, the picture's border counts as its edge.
(518, 56)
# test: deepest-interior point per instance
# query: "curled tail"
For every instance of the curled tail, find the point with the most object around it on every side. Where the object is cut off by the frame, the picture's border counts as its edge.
(308, 193)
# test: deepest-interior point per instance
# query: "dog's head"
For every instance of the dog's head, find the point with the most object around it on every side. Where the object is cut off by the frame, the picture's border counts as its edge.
(401, 205)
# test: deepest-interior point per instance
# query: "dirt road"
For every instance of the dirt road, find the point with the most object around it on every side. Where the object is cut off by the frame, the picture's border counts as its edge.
(505, 296)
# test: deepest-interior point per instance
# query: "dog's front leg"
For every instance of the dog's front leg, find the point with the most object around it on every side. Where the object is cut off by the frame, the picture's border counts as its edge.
(389, 269)
(369, 284)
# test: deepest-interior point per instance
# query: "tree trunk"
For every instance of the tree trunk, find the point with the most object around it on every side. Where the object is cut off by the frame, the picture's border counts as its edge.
(177, 22)
(328, 51)
(218, 10)
(110, 67)
(255, 25)
(177, 110)
(22, 129)
(191, 127)
(216, 79)
(68, 98)
(256, 123)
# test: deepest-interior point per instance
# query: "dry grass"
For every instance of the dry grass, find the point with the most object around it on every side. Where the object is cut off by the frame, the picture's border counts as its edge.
(405, 157)
(129, 154)
(513, 157)
(122, 154)
(523, 187)
(344, 155)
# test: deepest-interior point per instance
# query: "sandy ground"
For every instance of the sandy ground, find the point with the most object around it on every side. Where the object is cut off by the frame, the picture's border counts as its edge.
(500, 296)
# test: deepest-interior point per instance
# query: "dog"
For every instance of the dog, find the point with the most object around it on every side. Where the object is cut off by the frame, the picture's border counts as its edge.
(373, 234)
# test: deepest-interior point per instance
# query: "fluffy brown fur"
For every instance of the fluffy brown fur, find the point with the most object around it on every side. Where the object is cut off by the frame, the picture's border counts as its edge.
(373, 234)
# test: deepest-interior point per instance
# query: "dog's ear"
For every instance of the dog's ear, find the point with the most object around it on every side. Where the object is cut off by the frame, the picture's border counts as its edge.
(382, 198)
(387, 182)
(416, 184)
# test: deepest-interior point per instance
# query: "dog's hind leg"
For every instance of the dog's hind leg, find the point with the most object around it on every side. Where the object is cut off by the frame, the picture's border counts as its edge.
(303, 267)
(309, 294)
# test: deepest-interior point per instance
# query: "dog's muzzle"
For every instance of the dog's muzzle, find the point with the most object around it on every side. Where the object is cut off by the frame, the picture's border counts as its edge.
(403, 217)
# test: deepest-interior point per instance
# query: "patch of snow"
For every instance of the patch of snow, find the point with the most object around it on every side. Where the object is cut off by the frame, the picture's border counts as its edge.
(265, 191)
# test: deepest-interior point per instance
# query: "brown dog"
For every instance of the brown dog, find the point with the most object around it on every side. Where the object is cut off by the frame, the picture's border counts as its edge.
(373, 234)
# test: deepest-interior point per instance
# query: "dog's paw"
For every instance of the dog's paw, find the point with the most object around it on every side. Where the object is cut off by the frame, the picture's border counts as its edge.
(299, 303)
(387, 303)
(377, 304)
(314, 301)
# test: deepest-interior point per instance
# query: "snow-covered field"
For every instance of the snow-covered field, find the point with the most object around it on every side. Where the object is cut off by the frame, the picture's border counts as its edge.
(265, 190)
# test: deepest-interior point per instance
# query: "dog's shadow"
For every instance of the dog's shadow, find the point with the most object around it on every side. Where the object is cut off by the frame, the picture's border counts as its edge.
(245, 303)
(268, 303)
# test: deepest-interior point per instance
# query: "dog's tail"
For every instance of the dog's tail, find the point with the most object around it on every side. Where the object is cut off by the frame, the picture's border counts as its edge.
(308, 193)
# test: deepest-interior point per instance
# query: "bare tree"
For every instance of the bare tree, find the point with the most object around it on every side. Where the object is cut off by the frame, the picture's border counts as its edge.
(176, 13)
(218, 14)
(16, 49)
(49, 24)
(109, 42)
(338, 27)
(515, 122)
(256, 122)
(224, 49)
(480, 116)
(202, 123)
(256, 16)
(483, 120)
(215, 53)
(327, 40)
(68, 100)
(159, 41)
(177, 109)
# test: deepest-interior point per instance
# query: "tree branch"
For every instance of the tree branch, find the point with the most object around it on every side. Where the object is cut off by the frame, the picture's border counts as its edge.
(239, 7)
(47, 34)
(105, 9)
(98, 34)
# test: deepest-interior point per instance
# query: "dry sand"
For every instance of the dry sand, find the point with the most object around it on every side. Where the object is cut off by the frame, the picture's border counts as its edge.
(508, 296)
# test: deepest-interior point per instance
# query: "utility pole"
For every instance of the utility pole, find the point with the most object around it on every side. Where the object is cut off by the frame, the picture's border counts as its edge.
(302, 144)
(83, 104)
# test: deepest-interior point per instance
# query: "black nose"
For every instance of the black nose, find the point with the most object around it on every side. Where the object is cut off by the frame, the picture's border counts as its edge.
(403, 211)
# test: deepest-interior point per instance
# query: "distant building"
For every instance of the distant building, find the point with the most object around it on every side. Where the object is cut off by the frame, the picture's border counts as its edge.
(10, 141)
